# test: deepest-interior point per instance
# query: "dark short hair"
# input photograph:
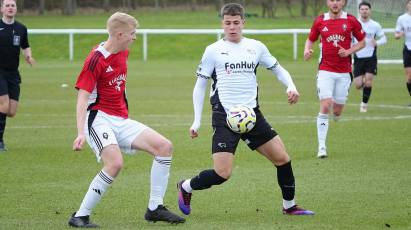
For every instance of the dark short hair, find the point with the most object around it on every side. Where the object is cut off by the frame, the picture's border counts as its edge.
(232, 9)
(364, 3)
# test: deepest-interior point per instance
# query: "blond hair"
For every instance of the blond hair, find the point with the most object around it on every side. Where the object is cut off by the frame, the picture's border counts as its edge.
(119, 21)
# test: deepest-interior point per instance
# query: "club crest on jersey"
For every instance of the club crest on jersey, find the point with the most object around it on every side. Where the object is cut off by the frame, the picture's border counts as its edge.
(118, 81)
(344, 27)
(250, 51)
(335, 38)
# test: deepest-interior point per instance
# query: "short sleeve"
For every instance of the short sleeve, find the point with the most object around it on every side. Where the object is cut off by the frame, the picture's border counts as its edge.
(357, 32)
(24, 40)
(207, 65)
(398, 26)
(380, 32)
(88, 76)
(314, 32)
(266, 59)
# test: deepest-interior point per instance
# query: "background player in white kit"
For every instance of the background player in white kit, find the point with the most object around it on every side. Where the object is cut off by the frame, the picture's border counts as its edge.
(336, 29)
(403, 28)
(102, 120)
(365, 60)
(231, 63)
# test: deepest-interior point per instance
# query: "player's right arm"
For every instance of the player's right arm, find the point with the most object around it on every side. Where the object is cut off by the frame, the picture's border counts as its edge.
(204, 71)
(308, 49)
(399, 30)
(312, 37)
(81, 111)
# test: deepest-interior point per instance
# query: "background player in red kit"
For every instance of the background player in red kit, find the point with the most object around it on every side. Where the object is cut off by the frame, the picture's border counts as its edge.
(336, 29)
(102, 120)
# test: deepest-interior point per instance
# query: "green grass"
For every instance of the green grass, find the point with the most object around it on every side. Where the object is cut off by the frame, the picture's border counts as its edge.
(364, 184)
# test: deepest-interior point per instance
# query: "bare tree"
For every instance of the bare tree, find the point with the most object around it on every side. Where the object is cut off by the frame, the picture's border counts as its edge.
(316, 4)
(269, 7)
(288, 6)
(304, 6)
(106, 5)
(42, 6)
(70, 7)
(193, 5)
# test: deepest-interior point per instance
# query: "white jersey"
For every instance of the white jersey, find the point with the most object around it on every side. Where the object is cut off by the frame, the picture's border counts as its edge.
(404, 25)
(373, 31)
(232, 67)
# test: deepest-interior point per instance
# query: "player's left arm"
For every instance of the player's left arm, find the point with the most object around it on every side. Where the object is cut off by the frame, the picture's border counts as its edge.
(381, 38)
(26, 48)
(28, 57)
(284, 77)
(358, 34)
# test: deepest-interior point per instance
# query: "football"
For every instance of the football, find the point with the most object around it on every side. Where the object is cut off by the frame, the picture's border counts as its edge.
(241, 119)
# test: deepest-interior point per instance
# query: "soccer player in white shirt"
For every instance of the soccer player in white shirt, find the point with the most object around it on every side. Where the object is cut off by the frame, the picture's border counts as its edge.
(231, 63)
(365, 60)
(403, 28)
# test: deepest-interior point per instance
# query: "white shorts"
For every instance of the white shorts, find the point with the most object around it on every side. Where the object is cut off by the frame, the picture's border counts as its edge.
(102, 129)
(333, 85)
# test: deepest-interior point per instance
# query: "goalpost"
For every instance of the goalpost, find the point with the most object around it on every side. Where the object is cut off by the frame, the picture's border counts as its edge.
(386, 13)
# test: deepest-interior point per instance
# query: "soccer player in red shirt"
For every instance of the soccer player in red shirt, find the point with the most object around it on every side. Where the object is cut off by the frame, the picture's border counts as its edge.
(336, 29)
(102, 121)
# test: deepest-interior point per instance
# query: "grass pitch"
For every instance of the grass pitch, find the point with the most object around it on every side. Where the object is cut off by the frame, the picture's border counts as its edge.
(364, 184)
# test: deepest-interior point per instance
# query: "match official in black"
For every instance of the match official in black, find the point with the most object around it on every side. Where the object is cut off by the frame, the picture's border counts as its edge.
(13, 36)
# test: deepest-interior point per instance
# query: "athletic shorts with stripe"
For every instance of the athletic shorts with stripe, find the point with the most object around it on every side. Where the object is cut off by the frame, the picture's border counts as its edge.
(102, 129)
(225, 140)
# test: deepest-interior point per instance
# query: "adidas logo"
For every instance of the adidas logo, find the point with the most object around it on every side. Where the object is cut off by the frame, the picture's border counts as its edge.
(109, 69)
(97, 191)
(325, 29)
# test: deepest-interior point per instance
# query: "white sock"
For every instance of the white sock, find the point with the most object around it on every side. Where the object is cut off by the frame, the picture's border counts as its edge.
(186, 186)
(322, 128)
(160, 171)
(97, 188)
(288, 203)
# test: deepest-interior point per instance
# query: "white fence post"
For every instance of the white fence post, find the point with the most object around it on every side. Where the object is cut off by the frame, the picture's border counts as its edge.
(295, 45)
(71, 46)
(145, 47)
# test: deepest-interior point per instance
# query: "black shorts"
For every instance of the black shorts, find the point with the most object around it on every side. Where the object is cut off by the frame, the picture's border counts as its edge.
(10, 84)
(225, 140)
(365, 65)
(406, 56)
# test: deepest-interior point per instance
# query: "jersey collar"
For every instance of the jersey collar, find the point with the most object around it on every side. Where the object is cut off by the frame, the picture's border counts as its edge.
(342, 16)
(103, 51)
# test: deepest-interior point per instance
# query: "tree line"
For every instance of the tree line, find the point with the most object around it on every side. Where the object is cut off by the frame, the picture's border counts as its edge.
(268, 7)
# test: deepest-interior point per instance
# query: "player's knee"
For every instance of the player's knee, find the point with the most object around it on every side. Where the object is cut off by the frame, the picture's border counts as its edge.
(223, 173)
(115, 166)
(11, 113)
(165, 149)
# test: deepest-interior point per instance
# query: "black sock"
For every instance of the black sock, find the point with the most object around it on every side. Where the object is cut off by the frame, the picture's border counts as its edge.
(206, 179)
(286, 180)
(409, 87)
(3, 117)
(366, 94)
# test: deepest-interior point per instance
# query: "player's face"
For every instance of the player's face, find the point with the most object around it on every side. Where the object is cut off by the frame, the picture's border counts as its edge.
(127, 37)
(335, 6)
(233, 26)
(365, 12)
(9, 8)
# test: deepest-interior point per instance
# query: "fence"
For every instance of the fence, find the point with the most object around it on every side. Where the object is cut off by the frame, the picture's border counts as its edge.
(217, 32)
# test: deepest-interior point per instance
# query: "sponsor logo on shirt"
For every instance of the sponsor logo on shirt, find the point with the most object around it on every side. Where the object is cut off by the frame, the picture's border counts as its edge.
(335, 38)
(239, 67)
(118, 81)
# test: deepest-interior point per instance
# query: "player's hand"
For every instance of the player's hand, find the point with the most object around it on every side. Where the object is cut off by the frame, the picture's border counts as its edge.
(293, 97)
(30, 60)
(343, 52)
(78, 142)
(193, 133)
(398, 35)
(373, 42)
(308, 54)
